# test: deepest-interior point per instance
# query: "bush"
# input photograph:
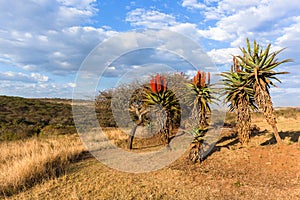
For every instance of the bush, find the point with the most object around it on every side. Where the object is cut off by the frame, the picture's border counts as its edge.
(21, 118)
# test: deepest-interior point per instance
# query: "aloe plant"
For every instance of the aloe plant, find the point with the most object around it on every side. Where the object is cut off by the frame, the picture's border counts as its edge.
(259, 65)
(240, 96)
(164, 103)
(201, 98)
(197, 143)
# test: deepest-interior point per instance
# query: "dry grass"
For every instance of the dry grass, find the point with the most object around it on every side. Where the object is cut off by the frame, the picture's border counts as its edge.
(95, 140)
(263, 170)
(25, 163)
(268, 172)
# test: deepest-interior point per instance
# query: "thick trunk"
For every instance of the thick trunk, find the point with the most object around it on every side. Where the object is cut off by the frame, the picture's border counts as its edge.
(243, 122)
(167, 129)
(132, 133)
(140, 112)
(199, 115)
(194, 152)
(276, 134)
(264, 102)
(131, 136)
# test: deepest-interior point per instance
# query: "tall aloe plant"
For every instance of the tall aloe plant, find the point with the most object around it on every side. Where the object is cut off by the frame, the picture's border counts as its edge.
(240, 96)
(259, 65)
(201, 98)
(164, 102)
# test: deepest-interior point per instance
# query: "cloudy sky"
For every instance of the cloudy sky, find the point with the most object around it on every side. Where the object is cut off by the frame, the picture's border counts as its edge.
(44, 42)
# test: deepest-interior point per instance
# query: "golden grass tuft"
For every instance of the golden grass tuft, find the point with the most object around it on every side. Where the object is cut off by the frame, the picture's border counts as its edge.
(26, 163)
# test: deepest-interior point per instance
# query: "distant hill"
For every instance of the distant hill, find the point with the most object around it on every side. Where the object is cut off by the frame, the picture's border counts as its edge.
(25, 117)
(22, 117)
(56, 100)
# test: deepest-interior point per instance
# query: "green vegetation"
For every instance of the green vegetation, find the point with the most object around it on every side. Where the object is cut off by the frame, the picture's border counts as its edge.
(239, 95)
(159, 99)
(247, 86)
(259, 65)
(22, 118)
(164, 104)
(200, 99)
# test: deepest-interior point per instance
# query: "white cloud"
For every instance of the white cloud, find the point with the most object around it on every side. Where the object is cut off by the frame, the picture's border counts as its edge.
(72, 85)
(223, 56)
(236, 20)
(149, 18)
(55, 52)
(39, 77)
(51, 32)
(193, 4)
(46, 14)
(28, 89)
(42, 38)
(22, 77)
(229, 7)
(188, 29)
(290, 39)
(159, 20)
(217, 33)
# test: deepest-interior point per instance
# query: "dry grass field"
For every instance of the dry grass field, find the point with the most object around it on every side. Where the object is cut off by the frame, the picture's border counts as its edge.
(262, 170)
(26, 163)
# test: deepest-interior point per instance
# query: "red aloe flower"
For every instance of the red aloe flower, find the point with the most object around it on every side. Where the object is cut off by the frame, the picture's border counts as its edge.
(197, 78)
(158, 83)
(203, 80)
(153, 85)
(236, 65)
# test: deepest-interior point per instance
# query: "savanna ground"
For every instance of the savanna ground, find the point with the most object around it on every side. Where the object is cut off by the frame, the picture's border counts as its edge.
(262, 170)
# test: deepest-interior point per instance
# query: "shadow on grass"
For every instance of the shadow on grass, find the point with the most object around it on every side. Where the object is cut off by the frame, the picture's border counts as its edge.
(232, 140)
(293, 135)
(83, 155)
(254, 132)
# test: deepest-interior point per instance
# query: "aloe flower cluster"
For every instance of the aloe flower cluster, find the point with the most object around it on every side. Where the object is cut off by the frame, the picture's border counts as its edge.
(236, 67)
(200, 79)
(158, 84)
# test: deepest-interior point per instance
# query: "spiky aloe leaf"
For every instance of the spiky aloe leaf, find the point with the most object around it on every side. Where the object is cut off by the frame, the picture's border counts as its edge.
(260, 73)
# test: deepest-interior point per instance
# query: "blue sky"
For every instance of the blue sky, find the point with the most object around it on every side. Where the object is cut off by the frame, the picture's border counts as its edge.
(44, 42)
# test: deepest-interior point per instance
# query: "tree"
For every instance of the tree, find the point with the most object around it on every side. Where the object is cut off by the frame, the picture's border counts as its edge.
(201, 94)
(163, 103)
(240, 96)
(259, 65)
(200, 99)
(138, 108)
